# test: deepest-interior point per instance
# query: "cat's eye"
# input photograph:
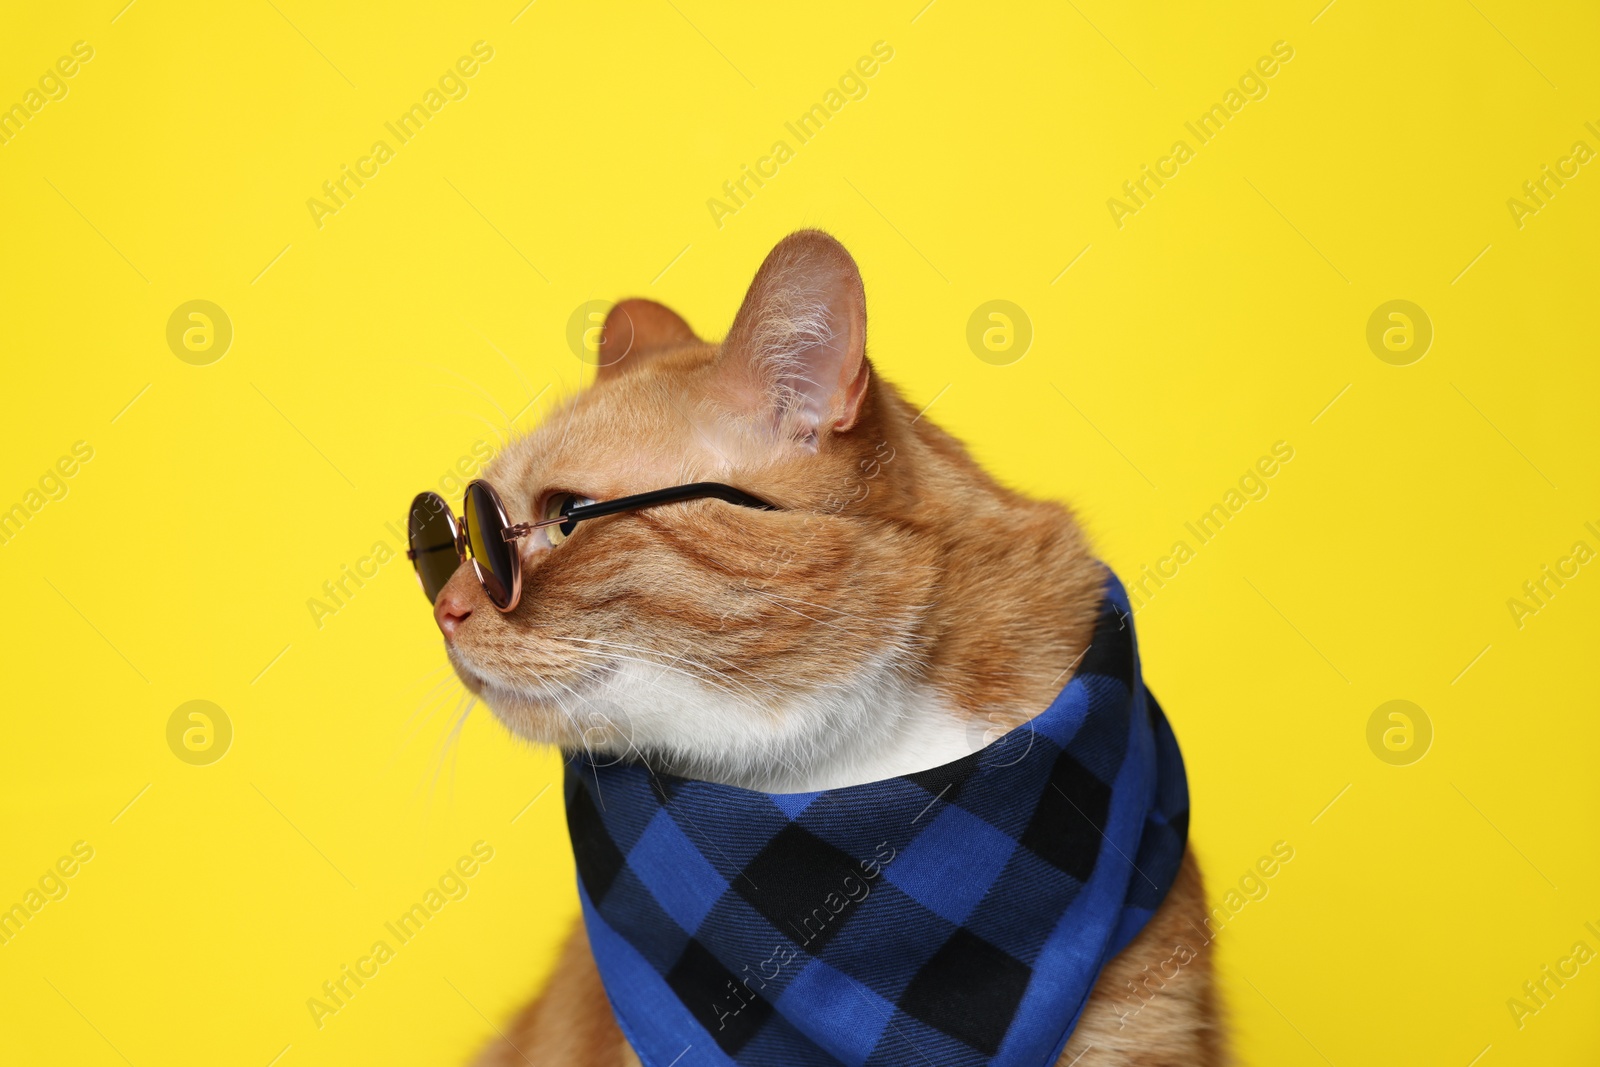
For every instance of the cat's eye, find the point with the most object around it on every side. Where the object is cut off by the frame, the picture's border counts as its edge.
(559, 506)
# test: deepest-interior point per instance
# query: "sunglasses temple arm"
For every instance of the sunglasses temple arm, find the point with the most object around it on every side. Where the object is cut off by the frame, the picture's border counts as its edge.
(657, 497)
(694, 491)
(523, 529)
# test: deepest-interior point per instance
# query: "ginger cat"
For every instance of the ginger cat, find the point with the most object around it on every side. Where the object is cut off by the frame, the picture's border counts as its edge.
(900, 629)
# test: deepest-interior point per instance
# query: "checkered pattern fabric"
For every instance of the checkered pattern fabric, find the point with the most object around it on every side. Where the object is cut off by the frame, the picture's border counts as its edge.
(952, 917)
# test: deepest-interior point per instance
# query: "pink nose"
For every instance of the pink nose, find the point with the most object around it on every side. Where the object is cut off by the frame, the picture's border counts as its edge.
(451, 610)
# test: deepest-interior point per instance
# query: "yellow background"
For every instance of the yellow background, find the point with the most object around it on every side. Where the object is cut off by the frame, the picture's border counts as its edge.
(371, 353)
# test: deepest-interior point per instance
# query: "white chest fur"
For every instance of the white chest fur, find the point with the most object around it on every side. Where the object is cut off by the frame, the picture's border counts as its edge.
(879, 727)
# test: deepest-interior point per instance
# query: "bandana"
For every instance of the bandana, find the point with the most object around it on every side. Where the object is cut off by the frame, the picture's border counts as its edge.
(955, 916)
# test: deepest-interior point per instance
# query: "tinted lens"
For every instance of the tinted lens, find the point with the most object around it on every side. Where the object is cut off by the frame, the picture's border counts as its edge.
(433, 545)
(495, 556)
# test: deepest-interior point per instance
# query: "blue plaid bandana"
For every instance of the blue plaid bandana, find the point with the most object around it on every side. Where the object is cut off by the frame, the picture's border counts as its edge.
(956, 916)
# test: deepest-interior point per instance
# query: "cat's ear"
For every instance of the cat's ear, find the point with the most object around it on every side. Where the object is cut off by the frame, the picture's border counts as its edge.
(634, 331)
(797, 348)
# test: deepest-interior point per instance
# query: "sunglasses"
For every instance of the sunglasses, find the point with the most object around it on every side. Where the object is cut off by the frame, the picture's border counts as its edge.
(486, 538)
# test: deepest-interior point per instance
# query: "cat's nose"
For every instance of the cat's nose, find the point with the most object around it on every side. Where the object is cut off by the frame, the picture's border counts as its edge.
(451, 610)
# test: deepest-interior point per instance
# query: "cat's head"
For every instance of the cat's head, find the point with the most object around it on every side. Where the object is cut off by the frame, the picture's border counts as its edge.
(712, 634)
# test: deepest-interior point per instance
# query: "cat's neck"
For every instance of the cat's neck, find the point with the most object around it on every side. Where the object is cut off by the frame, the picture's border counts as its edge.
(1019, 588)
(1010, 604)
(882, 727)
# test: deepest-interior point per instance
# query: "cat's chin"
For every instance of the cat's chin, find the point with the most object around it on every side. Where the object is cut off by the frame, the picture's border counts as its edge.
(554, 713)
(542, 724)
(541, 721)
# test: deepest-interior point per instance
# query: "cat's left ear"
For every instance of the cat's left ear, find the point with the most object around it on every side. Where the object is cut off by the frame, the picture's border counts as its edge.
(634, 331)
(798, 345)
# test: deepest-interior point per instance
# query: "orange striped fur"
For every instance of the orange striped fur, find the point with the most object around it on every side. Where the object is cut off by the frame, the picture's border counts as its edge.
(901, 609)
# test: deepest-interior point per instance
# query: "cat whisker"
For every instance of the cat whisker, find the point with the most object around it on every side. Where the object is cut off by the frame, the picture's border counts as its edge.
(438, 696)
(778, 602)
(775, 602)
(448, 747)
(716, 677)
(426, 706)
(708, 677)
(654, 652)
(583, 732)
(840, 612)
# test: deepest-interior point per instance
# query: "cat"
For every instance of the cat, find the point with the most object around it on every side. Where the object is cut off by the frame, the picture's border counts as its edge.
(900, 610)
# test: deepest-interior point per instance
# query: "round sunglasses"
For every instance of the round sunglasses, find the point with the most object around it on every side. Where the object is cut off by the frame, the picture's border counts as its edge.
(487, 539)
